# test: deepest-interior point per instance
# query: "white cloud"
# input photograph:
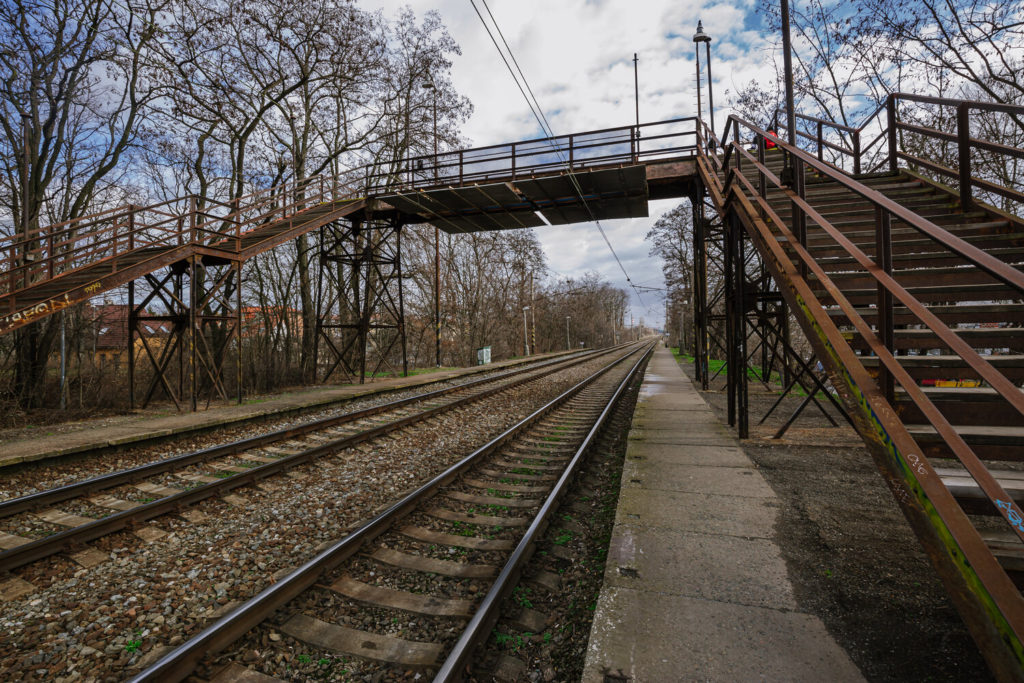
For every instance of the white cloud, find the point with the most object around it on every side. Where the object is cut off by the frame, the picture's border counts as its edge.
(577, 55)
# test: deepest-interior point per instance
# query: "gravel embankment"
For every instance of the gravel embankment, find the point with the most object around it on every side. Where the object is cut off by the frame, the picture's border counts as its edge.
(94, 624)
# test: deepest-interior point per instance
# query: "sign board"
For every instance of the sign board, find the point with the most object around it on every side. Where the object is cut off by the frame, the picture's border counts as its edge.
(483, 355)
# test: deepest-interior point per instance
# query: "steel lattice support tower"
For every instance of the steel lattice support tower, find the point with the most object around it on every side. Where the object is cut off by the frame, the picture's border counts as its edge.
(185, 324)
(360, 304)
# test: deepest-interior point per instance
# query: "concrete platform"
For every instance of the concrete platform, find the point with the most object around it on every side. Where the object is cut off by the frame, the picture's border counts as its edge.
(57, 440)
(695, 588)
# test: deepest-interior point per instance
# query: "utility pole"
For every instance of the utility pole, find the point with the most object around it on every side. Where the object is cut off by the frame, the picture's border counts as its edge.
(526, 334)
(25, 174)
(429, 85)
(533, 317)
(698, 38)
(787, 66)
(636, 90)
(567, 347)
(25, 125)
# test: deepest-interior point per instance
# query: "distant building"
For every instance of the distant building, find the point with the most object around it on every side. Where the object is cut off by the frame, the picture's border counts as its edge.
(111, 324)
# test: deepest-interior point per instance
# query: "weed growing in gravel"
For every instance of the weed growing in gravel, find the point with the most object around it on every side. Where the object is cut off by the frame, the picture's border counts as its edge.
(524, 470)
(519, 594)
(325, 665)
(513, 643)
(564, 536)
(133, 645)
(221, 474)
(498, 494)
(463, 529)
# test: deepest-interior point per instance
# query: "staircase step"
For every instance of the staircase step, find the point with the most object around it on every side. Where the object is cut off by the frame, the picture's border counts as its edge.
(967, 405)
(1009, 254)
(938, 294)
(988, 338)
(910, 277)
(923, 245)
(967, 491)
(929, 367)
(1009, 313)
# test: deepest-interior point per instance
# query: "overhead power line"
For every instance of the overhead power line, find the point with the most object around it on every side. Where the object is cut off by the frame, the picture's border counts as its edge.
(538, 113)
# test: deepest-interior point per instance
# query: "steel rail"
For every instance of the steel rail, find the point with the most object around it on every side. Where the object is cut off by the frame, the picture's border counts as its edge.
(487, 612)
(70, 538)
(182, 661)
(59, 494)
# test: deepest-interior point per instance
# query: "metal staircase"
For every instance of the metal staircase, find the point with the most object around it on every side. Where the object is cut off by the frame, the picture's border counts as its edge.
(60, 265)
(912, 295)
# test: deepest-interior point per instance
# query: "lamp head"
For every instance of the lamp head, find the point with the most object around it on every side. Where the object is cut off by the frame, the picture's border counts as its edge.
(700, 36)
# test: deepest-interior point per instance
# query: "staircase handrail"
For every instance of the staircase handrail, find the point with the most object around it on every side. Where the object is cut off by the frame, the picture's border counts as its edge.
(52, 249)
(1000, 270)
(1006, 598)
(525, 158)
(965, 143)
(880, 269)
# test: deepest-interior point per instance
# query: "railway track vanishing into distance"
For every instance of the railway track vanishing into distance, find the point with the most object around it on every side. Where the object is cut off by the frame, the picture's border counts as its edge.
(486, 510)
(217, 470)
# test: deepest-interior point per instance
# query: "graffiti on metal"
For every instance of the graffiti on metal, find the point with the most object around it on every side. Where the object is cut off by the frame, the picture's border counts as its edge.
(1011, 514)
(909, 493)
(40, 309)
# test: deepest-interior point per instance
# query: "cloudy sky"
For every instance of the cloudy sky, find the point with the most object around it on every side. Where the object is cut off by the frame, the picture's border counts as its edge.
(578, 58)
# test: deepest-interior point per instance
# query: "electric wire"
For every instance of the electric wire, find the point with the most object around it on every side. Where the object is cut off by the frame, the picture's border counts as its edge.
(542, 120)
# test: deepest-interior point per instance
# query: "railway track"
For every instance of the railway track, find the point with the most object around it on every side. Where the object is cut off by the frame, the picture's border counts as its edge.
(429, 554)
(134, 496)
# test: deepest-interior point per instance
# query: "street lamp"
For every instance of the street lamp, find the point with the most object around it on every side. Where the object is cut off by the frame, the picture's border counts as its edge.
(698, 38)
(526, 337)
(567, 318)
(429, 85)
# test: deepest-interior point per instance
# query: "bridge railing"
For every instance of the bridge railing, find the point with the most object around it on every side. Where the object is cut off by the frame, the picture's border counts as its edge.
(954, 151)
(527, 158)
(746, 181)
(52, 250)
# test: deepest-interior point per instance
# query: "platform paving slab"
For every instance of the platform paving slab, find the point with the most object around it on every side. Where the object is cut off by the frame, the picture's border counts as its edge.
(695, 586)
(696, 512)
(720, 642)
(53, 441)
(721, 456)
(732, 483)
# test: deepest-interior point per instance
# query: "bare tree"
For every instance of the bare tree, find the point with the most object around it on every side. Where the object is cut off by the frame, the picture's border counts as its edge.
(76, 81)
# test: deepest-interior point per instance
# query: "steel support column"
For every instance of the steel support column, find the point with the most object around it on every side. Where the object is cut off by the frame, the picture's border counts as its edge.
(361, 300)
(185, 324)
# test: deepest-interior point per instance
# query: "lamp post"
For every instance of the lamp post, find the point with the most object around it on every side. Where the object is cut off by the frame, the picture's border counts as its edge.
(567, 318)
(787, 66)
(698, 38)
(429, 85)
(526, 334)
